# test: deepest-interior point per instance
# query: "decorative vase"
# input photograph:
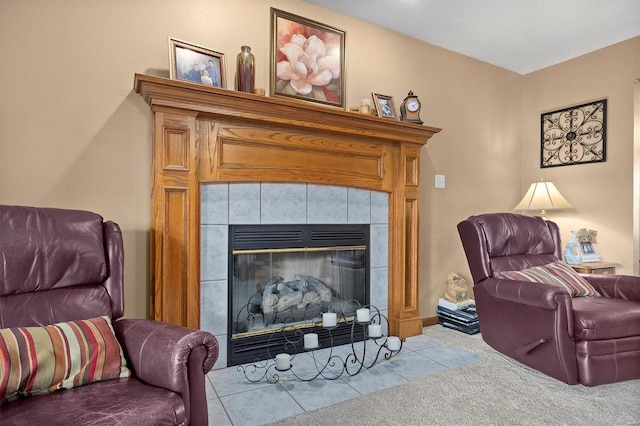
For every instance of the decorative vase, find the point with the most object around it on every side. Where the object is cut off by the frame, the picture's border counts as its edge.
(246, 74)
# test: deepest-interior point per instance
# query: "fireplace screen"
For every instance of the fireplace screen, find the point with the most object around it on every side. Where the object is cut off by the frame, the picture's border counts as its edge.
(290, 275)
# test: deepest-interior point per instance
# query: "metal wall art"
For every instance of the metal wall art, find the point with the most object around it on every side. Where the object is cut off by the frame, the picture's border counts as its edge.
(574, 135)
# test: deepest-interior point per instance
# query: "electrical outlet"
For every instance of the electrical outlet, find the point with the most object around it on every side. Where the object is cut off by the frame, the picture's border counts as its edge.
(440, 181)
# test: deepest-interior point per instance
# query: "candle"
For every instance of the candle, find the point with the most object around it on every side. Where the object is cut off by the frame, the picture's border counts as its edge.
(283, 362)
(363, 315)
(329, 319)
(375, 330)
(365, 107)
(310, 341)
(393, 343)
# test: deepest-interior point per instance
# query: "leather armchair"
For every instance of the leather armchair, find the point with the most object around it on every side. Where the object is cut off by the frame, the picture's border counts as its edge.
(588, 340)
(67, 265)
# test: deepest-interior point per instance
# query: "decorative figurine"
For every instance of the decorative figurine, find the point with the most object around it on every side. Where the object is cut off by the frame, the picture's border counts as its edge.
(572, 254)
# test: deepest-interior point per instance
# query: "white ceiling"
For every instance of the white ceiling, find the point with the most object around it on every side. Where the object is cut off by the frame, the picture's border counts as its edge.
(519, 35)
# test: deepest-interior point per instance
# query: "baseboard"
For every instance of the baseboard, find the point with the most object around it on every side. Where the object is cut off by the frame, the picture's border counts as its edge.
(429, 321)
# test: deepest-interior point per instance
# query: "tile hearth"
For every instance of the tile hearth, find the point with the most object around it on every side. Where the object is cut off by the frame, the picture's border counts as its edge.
(233, 400)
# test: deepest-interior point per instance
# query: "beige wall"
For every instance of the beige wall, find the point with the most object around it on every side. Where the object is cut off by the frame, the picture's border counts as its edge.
(73, 134)
(602, 193)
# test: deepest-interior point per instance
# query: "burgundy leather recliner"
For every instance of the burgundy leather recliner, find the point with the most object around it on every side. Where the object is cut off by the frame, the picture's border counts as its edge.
(63, 265)
(587, 340)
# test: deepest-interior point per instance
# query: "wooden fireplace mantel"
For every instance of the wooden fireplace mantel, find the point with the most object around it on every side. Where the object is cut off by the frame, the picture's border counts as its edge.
(203, 134)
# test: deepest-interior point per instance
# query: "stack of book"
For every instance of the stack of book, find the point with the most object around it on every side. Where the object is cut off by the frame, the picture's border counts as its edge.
(460, 316)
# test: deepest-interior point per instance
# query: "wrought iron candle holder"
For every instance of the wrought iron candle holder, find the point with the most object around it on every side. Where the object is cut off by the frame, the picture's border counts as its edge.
(367, 323)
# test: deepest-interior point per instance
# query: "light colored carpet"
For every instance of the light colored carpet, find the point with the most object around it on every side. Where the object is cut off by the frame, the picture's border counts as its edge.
(493, 391)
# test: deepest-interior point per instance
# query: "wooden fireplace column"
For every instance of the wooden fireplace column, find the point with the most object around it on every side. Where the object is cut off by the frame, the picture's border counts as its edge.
(203, 134)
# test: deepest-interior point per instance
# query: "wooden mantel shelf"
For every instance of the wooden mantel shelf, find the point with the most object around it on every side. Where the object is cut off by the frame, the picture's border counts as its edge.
(215, 102)
(203, 134)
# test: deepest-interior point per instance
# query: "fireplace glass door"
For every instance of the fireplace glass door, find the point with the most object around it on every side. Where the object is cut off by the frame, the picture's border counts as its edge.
(291, 276)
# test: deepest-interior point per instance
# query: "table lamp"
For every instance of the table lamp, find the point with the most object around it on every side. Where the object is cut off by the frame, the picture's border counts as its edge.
(543, 196)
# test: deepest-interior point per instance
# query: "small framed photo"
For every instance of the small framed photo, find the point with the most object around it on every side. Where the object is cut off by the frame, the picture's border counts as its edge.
(307, 60)
(190, 62)
(384, 106)
(586, 243)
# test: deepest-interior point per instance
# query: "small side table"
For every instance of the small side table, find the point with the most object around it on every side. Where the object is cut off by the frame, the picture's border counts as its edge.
(596, 267)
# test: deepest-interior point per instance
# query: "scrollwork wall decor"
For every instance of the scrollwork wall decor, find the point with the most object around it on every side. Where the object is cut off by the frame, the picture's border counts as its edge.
(574, 135)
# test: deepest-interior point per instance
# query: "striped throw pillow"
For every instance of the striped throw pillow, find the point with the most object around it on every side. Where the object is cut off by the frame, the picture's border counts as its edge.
(39, 360)
(557, 274)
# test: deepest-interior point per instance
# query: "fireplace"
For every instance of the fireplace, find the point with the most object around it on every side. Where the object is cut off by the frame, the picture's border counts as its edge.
(204, 135)
(288, 276)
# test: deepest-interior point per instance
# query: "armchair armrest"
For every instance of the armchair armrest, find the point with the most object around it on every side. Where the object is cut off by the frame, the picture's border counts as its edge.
(159, 352)
(616, 286)
(539, 303)
(537, 295)
(171, 357)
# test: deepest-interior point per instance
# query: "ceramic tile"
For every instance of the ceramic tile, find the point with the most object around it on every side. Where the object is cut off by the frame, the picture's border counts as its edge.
(217, 415)
(244, 203)
(359, 205)
(449, 355)
(208, 388)
(283, 203)
(379, 293)
(416, 343)
(214, 242)
(221, 362)
(320, 393)
(379, 207)
(413, 366)
(374, 379)
(230, 380)
(379, 240)
(327, 204)
(327, 363)
(214, 200)
(213, 306)
(256, 407)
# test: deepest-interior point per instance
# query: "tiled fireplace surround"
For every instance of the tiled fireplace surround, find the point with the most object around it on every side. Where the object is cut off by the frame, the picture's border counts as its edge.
(224, 204)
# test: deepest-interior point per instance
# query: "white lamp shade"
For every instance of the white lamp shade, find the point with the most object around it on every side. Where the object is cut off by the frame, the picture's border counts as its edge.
(543, 196)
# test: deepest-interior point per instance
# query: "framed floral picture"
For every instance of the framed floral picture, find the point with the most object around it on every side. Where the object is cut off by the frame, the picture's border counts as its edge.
(574, 135)
(307, 60)
(190, 62)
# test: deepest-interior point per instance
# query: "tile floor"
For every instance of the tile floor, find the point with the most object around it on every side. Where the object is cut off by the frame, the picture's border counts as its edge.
(234, 400)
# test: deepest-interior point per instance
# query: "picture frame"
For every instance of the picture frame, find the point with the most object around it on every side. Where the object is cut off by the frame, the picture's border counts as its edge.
(184, 57)
(586, 245)
(307, 60)
(384, 106)
(574, 135)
